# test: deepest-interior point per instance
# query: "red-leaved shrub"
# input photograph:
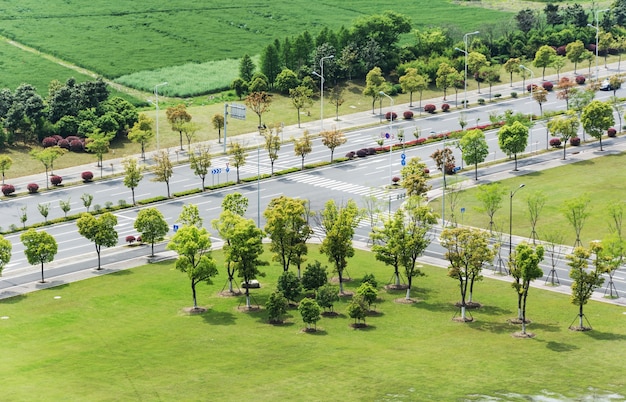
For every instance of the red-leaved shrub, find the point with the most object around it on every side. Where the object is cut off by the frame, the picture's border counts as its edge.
(580, 79)
(56, 180)
(130, 239)
(574, 141)
(8, 189)
(430, 108)
(547, 85)
(49, 142)
(555, 142)
(32, 187)
(533, 86)
(77, 146)
(64, 143)
(445, 107)
(611, 132)
(87, 176)
(408, 115)
(391, 116)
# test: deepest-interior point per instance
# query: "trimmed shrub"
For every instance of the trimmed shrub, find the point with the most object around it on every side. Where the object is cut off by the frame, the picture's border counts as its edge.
(497, 95)
(574, 141)
(371, 151)
(580, 79)
(57, 137)
(611, 132)
(555, 142)
(395, 179)
(65, 144)
(87, 176)
(130, 239)
(430, 108)
(420, 141)
(361, 153)
(547, 85)
(513, 94)
(77, 146)
(426, 171)
(561, 51)
(55, 180)
(49, 142)
(445, 107)
(533, 86)
(8, 189)
(391, 116)
(481, 101)
(350, 154)
(408, 115)
(71, 138)
(32, 188)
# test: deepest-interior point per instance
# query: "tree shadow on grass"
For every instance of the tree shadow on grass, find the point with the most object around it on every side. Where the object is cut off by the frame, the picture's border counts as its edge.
(218, 317)
(605, 336)
(9, 297)
(316, 332)
(536, 326)
(368, 327)
(434, 307)
(561, 347)
(490, 326)
(494, 310)
(122, 272)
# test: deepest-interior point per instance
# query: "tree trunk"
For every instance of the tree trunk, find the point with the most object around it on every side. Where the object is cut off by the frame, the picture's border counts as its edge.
(247, 295)
(193, 292)
(132, 190)
(515, 156)
(397, 277)
(298, 110)
(152, 244)
(98, 252)
(476, 171)
(580, 316)
(340, 274)
(411, 99)
(44, 281)
(167, 184)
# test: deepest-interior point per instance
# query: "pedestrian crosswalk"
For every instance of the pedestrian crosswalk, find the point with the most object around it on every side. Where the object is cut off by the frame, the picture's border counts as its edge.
(338, 185)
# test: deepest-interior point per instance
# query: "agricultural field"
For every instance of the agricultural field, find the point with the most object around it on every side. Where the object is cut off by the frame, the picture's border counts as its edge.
(123, 38)
(125, 336)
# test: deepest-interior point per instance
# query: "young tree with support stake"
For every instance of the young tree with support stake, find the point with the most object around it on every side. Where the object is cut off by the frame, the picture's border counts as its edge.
(585, 281)
(535, 201)
(39, 248)
(193, 245)
(490, 197)
(178, 117)
(524, 268)
(259, 103)
(272, 146)
(101, 230)
(237, 156)
(576, 212)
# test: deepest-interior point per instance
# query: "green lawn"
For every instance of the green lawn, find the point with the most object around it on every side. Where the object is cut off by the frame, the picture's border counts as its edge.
(600, 178)
(124, 337)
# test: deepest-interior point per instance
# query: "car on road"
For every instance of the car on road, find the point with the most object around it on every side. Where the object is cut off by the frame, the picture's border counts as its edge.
(606, 86)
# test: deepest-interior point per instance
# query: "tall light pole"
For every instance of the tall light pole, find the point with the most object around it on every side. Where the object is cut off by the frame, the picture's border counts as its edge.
(512, 194)
(321, 76)
(390, 137)
(597, 28)
(465, 40)
(532, 77)
(156, 102)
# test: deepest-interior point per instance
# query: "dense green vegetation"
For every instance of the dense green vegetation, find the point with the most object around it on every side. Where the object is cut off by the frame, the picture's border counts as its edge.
(124, 336)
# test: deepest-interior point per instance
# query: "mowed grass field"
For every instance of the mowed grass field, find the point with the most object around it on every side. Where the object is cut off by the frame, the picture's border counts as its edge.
(124, 336)
(566, 182)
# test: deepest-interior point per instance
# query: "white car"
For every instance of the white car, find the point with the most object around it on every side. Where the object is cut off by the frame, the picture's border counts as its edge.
(606, 86)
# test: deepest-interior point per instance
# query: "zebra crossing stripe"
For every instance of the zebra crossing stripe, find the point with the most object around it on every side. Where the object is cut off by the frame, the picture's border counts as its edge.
(338, 185)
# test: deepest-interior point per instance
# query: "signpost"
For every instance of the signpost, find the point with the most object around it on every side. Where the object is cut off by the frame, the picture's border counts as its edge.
(215, 172)
(237, 112)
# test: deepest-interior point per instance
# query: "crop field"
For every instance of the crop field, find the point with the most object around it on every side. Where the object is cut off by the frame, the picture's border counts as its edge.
(124, 336)
(122, 38)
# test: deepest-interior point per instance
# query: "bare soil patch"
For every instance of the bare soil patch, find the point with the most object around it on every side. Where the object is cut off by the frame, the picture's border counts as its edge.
(522, 335)
(246, 309)
(194, 310)
(228, 293)
(461, 319)
(358, 325)
(404, 300)
(396, 287)
(469, 305)
(518, 321)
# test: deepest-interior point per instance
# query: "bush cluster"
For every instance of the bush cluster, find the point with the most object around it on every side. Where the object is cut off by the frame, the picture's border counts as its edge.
(574, 141)
(408, 115)
(580, 79)
(56, 180)
(430, 108)
(87, 176)
(445, 107)
(391, 116)
(8, 189)
(547, 85)
(32, 188)
(611, 132)
(555, 142)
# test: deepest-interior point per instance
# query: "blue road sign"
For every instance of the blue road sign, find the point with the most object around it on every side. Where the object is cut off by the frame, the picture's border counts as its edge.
(227, 169)
(403, 156)
(463, 210)
(175, 227)
(216, 171)
(403, 162)
(457, 168)
(387, 135)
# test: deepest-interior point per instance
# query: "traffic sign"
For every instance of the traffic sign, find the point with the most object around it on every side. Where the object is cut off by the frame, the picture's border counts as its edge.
(227, 169)
(216, 171)
(403, 162)
(456, 169)
(463, 210)
(387, 135)
(175, 227)
(403, 156)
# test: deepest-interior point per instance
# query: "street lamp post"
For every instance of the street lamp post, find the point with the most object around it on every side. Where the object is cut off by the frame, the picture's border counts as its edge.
(597, 28)
(512, 194)
(532, 77)
(390, 137)
(465, 40)
(322, 89)
(156, 102)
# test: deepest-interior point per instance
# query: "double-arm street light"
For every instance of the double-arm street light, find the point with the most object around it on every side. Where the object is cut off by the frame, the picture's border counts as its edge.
(156, 102)
(321, 77)
(381, 93)
(465, 40)
(597, 28)
(512, 194)
(532, 77)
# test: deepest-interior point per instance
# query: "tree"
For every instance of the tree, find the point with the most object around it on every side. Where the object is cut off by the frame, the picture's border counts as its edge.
(132, 175)
(579, 99)
(411, 82)
(237, 156)
(314, 276)
(190, 216)
(327, 295)
(543, 58)
(246, 68)
(163, 169)
(576, 212)
(565, 87)
(200, 162)
(5, 253)
(444, 159)
(414, 177)
(270, 63)
(218, 124)
(597, 117)
(612, 253)
(44, 209)
(310, 312)
(357, 309)
(368, 292)
(512, 66)
(152, 226)
(566, 127)
(618, 108)
(100, 231)
(338, 224)
(142, 133)
(467, 251)
(474, 148)
(47, 156)
(513, 139)
(276, 307)
(65, 206)
(5, 164)
(272, 145)
(287, 224)
(476, 61)
(574, 52)
(585, 280)
(289, 285)
(526, 20)
(39, 248)
(287, 80)
(303, 146)
(540, 95)
(524, 267)
(240, 86)
(243, 250)
(535, 201)
(336, 98)
(557, 63)
(301, 97)
(445, 78)
(605, 43)
(332, 139)
(374, 84)
(87, 199)
(193, 246)
(99, 143)
(236, 203)
(259, 103)
(490, 197)
(178, 117)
